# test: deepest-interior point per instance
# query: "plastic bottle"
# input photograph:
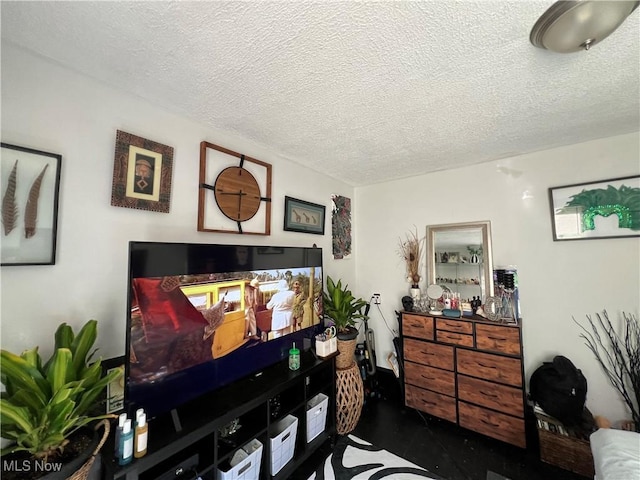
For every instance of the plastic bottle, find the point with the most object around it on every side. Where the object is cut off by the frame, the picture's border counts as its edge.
(139, 412)
(126, 444)
(294, 358)
(141, 436)
(121, 419)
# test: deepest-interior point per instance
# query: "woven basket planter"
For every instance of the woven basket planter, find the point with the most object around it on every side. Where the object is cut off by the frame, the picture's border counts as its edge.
(349, 399)
(346, 353)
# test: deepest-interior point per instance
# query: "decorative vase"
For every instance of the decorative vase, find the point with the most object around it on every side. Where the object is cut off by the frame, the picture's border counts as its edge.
(346, 348)
(349, 399)
(414, 291)
(474, 259)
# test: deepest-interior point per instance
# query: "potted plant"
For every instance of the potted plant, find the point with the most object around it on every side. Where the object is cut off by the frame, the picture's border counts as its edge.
(46, 404)
(344, 310)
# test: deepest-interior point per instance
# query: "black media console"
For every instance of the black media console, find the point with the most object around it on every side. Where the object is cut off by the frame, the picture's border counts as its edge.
(258, 402)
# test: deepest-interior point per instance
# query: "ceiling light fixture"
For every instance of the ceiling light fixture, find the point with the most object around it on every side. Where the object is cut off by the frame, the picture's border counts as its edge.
(571, 26)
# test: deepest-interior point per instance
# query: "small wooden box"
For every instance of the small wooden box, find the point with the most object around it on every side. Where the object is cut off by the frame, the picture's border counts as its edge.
(566, 452)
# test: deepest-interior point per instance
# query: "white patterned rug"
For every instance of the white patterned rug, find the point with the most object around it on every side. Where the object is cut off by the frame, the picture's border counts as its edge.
(355, 459)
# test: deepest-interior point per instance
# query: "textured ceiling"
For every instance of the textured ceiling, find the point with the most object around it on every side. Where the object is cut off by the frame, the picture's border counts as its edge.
(363, 91)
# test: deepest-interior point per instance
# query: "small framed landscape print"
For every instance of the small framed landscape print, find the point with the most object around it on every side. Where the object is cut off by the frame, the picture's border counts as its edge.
(602, 209)
(301, 216)
(142, 172)
(30, 187)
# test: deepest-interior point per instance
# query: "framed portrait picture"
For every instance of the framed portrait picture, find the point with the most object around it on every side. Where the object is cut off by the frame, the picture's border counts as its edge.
(142, 171)
(30, 188)
(115, 389)
(304, 217)
(602, 209)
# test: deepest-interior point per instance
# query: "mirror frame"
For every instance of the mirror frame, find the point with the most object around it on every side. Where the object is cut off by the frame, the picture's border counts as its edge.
(485, 229)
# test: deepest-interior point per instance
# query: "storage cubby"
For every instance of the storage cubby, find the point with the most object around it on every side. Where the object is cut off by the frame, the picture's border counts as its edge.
(244, 413)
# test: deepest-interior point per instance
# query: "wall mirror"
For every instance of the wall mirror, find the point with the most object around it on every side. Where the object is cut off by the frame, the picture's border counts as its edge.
(459, 258)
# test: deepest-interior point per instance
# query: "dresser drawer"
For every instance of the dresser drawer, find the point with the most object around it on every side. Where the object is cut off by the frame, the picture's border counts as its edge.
(490, 367)
(433, 403)
(441, 381)
(427, 353)
(491, 395)
(454, 338)
(495, 338)
(417, 326)
(454, 326)
(496, 425)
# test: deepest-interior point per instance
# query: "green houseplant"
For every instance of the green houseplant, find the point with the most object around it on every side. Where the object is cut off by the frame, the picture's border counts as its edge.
(344, 310)
(342, 307)
(45, 403)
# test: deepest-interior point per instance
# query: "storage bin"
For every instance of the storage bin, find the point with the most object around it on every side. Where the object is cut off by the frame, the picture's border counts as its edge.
(326, 347)
(248, 468)
(316, 415)
(566, 452)
(283, 442)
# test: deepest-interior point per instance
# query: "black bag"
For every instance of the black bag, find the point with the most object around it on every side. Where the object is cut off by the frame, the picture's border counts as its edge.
(560, 389)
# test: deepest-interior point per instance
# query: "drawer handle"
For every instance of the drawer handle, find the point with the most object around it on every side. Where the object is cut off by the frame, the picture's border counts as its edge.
(487, 394)
(491, 424)
(426, 378)
(496, 339)
(486, 366)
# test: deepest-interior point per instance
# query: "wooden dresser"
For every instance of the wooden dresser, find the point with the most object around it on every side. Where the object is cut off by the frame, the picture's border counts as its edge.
(468, 371)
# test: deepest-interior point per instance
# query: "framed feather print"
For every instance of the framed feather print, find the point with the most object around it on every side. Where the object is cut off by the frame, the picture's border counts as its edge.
(30, 182)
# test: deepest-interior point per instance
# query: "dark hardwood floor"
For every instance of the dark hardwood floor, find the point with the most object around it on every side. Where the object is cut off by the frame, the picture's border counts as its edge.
(441, 447)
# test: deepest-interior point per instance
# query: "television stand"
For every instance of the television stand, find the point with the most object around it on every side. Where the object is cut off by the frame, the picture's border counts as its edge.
(210, 429)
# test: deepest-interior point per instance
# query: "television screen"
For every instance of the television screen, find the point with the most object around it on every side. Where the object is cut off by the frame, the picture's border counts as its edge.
(201, 316)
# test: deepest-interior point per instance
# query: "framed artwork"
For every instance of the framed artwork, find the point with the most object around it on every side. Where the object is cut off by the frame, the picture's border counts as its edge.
(301, 216)
(142, 171)
(602, 209)
(454, 257)
(115, 389)
(340, 227)
(234, 192)
(30, 188)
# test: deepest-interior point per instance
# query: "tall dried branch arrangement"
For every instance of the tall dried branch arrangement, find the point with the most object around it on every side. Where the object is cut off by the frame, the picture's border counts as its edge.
(410, 250)
(619, 356)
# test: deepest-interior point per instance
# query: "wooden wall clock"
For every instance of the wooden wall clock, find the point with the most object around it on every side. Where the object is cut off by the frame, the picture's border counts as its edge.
(234, 194)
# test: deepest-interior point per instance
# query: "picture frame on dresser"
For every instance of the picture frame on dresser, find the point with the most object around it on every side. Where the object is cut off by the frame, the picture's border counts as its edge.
(30, 193)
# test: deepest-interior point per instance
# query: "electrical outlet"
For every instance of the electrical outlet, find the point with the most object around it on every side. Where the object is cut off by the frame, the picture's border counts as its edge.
(376, 299)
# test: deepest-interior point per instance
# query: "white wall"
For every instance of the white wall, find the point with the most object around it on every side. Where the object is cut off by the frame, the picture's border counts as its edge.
(49, 108)
(558, 280)
(53, 109)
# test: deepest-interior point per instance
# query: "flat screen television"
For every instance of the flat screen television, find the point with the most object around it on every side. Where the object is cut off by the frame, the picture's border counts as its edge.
(201, 316)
